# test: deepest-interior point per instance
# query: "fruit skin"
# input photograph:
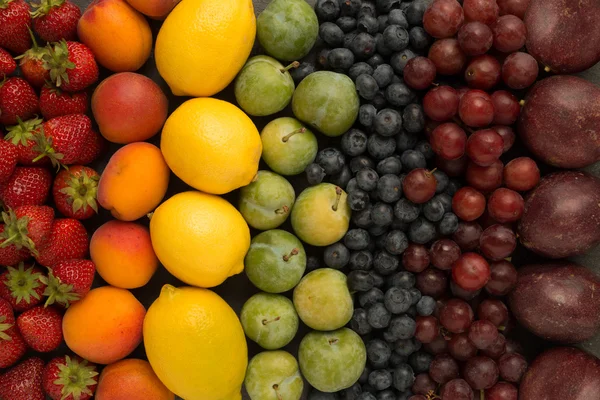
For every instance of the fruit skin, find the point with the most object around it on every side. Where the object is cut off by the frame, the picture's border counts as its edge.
(68, 281)
(558, 33)
(54, 20)
(24, 381)
(131, 379)
(216, 238)
(8, 159)
(105, 326)
(41, 328)
(28, 227)
(314, 219)
(225, 29)
(63, 138)
(155, 9)
(92, 149)
(68, 241)
(129, 107)
(7, 64)
(222, 151)
(546, 127)
(69, 378)
(323, 300)
(17, 100)
(32, 65)
(561, 216)
(75, 191)
(327, 101)
(72, 66)
(119, 36)
(22, 287)
(22, 136)
(13, 253)
(332, 361)
(56, 103)
(134, 181)
(14, 23)
(274, 375)
(12, 346)
(209, 358)
(27, 186)
(123, 254)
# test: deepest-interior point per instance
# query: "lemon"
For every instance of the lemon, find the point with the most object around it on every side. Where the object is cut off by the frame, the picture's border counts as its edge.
(211, 145)
(195, 344)
(203, 44)
(200, 238)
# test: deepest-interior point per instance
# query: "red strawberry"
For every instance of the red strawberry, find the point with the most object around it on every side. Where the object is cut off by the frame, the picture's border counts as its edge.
(41, 328)
(63, 138)
(75, 191)
(22, 287)
(32, 64)
(23, 382)
(15, 21)
(8, 159)
(7, 63)
(17, 99)
(69, 378)
(68, 241)
(27, 186)
(12, 254)
(12, 345)
(94, 146)
(54, 20)
(72, 66)
(28, 227)
(22, 136)
(55, 102)
(69, 281)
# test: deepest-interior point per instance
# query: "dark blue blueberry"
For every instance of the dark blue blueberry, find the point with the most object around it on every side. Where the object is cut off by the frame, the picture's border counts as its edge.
(399, 95)
(453, 187)
(419, 39)
(380, 147)
(354, 142)
(367, 8)
(378, 230)
(379, 280)
(400, 225)
(412, 159)
(346, 24)
(357, 239)
(388, 122)
(385, 263)
(359, 323)
(383, 74)
(412, 311)
(395, 38)
(342, 178)
(331, 34)
(350, 7)
(397, 79)
(382, 49)
(415, 295)
(420, 361)
(336, 256)
(351, 393)
(448, 225)
(312, 263)
(348, 38)
(367, 179)
(387, 394)
(370, 297)
(426, 306)
(351, 186)
(358, 200)
(406, 211)
(406, 141)
(397, 300)
(382, 214)
(375, 60)
(378, 351)
(397, 17)
(361, 260)
(400, 59)
(414, 119)
(366, 115)
(331, 159)
(404, 377)
(424, 147)
(360, 281)
(389, 188)
(366, 396)
(358, 69)
(322, 58)
(421, 231)
(389, 165)
(368, 23)
(396, 359)
(382, 20)
(366, 86)
(385, 6)
(445, 199)
(340, 58)
(414, 12)
(379, 101)
(407, 394)
(434, 210)
(363, 45)
(305, 69)
(401, 327)
(406, 347)
(442, 180)
(362, 218)
(364, 377)
(327, 10)
(395, 242)
(379, 317)
(314, 174)
(366, 388)
(380, 379)
(403, 279)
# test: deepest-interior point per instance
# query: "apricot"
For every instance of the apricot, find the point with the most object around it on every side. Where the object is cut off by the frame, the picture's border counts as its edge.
(105, 326)
(134, 181)
(129, 107)
(117, 33)
(123, 254)
(156, 9)
(131, 379)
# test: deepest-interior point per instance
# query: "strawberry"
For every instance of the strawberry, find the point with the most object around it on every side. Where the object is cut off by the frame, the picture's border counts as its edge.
(21, 287)
(8, 159)
(15, 20)
(69, 378)
(54, 20)
(63, 138)
(22, 136)
(68, 241)
(32, 64)
(41, 328)
(27, 186)
(72, 66)
(27, 227)
(24, 381)
(55, 102)
(7, 63)
(69, 281)
(75, 191)
(94, 146)
(17, 100)
(12, 254)
(12, 345)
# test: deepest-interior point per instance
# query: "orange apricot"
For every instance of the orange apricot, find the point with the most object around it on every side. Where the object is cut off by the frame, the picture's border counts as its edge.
(131, 379)
(156, 9)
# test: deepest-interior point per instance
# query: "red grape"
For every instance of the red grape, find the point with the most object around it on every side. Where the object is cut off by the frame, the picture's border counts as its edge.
(443, 18)
(513, 346)
(427, 329)
(503, 279)
(485, 179)
(439, 345)
(514, 7)
(441, 103)
(468, 204)
(448, 141)
(486, 220)
(483, 334)
(485, 147)
(493, 310)
(508, 135)
(497, 349)
(419, 73)
(444, 253)
(415, 258)
(419, 185)
(521, 174)
(476, 108)
(481, 372)
(453, 168)
(520, 70)
(432, 282)
(471, 272)
(448, 57)
(461, 348)
(475, 38)
(467, 235)
(424, 384)
(506, 107)
(505, 205)
(483, 72)
(457, 389)
(509, 34)
(512, 367)
(502, 391)
(497, 242)
(463, 294)
(443, 368)
(485, 11)
(456, 316)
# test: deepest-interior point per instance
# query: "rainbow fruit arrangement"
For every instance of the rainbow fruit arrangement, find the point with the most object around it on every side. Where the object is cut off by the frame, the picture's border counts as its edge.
(399, 253)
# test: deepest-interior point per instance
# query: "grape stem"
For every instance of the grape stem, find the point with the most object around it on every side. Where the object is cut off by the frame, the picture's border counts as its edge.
(481, 395)
(338, 196)
(293, 253)
(289, 135)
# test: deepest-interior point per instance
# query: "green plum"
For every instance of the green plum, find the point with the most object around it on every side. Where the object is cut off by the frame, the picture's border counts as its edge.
(274, 375)
(332, 361)
(287, 29)
(267, 201)
(275, 261)
(326, 101)
(321, 215)
(288, 146)
(323, 301)
(264, 86)
(270, 320)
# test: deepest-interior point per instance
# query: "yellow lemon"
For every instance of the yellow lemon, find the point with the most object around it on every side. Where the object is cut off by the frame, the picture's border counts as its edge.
(203, 44)
(200, 238)
(211, 145)
(195, 344)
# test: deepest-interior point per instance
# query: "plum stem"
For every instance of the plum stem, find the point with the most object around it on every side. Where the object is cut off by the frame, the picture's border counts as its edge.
(150, 215)
(268, 321)
(338, 196)
(295, 64)
(282, 210)
(293, 253)
(276, 389)
(333, 341)
(289, 135)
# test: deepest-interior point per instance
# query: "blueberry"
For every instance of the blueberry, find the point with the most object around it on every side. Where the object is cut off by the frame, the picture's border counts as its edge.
(406, 4)
(434, 210)
(401, 327)
(403, 279)
(378, 351)
(419, 39)
(312, 263)
(383, 75)
(368, 23)
(305, 69)
(385, 263)
(359, 323)
(379, 101)
(387, 394)
(361, 260)
(317, 395)
(379, 316)
(397, 300)
(322, 58)
(389, 188)
(399, 60)
(366, 396)
(397, 17)
(382, 20)
(314, 174)
(363, 45)
(370, 297)
(367, 8)
(395, 242)
(389, 165)
(404, 377)
(375, 60)
(414, 12)
(350, 7)
(399, 95)
(336, 256)
(399, 225)
(364, 377)
(331, 159)
(445, 199)
(340, 58)
(442, 180)
(342, 178)
(382, 214)
(380, 379)
(357, 239)
(406, 211)
(381, 147)
(362, 218)
(351, 393)
(406, 141)
(396, 359)
(387, 122)
(420, 361)
(366, 115)
(379, 280)
(448, 225)
(412, 159)
(397, 79)
(415, 296)
(346, 24)
(395, 38)
(412, 311)
(351, 186)
(453, 187)
(331, 34)
(385, 6)
(368, 389)
(348, 38)
(382, 48)
(414, 119)
(366, 86)
(407, 394)
(421, 231)
(358, 200)
(367, 179)
(358, 69)
(377, 231)
(405, 347)
(327, 10)
(426, 306)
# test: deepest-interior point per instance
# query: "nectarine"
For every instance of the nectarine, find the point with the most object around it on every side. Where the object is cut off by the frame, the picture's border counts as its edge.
(156, 9)
(131, 379)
